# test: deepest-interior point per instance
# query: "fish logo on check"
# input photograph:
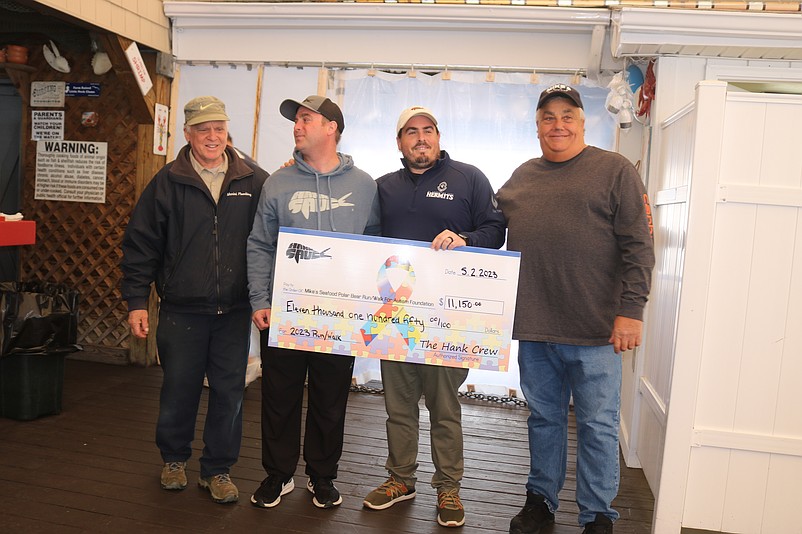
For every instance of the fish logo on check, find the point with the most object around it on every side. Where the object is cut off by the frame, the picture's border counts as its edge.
(298, 252)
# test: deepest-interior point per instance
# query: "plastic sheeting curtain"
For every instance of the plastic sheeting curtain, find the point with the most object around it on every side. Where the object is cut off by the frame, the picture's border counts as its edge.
(487, 124)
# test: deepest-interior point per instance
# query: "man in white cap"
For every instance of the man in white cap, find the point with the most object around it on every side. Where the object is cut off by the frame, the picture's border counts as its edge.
(580, 218)
(450, 204)
(323, 190)
(188, 234)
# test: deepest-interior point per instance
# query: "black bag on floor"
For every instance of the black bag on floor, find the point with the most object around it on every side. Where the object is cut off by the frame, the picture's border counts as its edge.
(37, 318)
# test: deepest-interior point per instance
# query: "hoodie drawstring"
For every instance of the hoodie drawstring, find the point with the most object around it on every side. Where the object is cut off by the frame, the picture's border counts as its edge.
(331, 214)
(317, 198)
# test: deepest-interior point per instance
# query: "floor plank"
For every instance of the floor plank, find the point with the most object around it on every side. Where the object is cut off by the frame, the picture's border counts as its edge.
(94, 468)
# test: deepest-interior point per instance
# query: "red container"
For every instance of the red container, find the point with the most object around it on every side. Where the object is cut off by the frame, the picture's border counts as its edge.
(17, 233)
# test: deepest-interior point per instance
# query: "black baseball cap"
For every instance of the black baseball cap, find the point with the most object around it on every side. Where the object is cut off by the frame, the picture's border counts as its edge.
(560, 89)
(318, 104)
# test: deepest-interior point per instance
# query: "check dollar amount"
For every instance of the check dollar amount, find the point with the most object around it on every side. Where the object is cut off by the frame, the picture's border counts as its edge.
(393, 299)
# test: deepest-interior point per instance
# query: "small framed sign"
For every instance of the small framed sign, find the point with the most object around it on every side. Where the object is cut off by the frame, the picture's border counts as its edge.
(47, 125)
(83, 89)
(47, 94)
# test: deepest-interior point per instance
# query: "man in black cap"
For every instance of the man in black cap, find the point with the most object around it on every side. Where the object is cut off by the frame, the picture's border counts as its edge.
(580, 218)
(323, 190)
(188, 234)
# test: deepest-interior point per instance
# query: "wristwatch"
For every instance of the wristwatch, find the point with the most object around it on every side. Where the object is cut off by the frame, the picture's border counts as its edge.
(465, 238)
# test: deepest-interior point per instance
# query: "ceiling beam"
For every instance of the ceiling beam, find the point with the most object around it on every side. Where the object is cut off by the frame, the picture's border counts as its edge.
(643, 31)
(252, 15)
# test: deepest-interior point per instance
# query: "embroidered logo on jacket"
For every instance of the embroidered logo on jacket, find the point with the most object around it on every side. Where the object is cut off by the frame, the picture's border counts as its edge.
(440, 193)
(307, 202)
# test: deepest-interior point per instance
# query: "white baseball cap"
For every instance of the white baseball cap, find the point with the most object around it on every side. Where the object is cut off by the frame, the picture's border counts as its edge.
(414, 111)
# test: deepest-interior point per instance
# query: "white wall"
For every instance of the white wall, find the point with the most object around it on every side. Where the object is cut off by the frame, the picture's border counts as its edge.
(729, 438)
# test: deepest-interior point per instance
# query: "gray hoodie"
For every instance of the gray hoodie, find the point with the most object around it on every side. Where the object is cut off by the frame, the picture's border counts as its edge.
(298, 196)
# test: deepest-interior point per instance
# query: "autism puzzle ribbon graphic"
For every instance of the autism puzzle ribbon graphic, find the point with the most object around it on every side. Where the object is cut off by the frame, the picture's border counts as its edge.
(393, 307)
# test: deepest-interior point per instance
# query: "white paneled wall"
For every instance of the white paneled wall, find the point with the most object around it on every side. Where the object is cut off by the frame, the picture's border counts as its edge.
(725, 341)
(749, 412)
(670, 215)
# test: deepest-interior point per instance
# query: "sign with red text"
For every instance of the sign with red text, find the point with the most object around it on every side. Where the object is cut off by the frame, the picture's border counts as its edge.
(137, 65)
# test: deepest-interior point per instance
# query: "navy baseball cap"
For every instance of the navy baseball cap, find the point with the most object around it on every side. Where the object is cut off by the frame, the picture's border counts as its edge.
(560, 89)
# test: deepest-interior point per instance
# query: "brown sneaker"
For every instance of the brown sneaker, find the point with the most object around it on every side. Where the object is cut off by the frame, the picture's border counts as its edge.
(221, 488)
(174, 476)
(450, 512)
(389, 493)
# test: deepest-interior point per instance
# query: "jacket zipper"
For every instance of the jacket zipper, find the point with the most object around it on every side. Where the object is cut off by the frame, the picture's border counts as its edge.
(216, 235)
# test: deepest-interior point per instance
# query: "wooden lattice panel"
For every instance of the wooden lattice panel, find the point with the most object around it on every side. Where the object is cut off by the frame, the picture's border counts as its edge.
(78, 243)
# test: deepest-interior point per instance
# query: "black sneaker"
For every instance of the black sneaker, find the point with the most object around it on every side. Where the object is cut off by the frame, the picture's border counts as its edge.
(533, 516)
(325, 494)
(270, 491)
(601, 525)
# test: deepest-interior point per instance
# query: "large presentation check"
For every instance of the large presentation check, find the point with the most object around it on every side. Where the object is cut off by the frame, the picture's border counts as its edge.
(393, 299)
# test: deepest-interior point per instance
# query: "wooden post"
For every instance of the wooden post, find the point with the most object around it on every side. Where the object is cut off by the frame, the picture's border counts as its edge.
(255, 139)
(143, 351)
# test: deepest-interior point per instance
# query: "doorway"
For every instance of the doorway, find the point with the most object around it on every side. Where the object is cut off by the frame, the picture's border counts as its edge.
(10, 199)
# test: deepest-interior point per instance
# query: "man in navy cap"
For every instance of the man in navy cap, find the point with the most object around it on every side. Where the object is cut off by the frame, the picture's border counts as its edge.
(580, 218)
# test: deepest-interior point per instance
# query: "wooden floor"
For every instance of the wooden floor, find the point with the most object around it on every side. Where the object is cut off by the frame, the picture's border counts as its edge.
(95, 467)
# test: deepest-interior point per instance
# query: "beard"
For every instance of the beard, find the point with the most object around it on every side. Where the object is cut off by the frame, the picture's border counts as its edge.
(422, 161)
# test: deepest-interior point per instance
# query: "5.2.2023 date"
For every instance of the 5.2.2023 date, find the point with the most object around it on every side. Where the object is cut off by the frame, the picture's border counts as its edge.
(473, 272)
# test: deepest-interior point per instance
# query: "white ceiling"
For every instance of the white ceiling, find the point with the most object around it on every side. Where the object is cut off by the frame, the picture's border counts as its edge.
(654, 31)
(592, 39)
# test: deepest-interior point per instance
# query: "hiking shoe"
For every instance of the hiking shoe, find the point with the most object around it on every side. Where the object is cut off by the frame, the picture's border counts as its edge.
(325, 494)
(601, 525)
(270, 491)
(389, 493)
(533, 516)
(450, 512)
(174, 476)
(221, 488)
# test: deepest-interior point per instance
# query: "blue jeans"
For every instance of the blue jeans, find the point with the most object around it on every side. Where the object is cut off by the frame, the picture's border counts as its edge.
(550, 374)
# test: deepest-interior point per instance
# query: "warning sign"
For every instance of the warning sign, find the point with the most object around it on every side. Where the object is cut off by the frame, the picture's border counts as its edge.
(73, 171)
